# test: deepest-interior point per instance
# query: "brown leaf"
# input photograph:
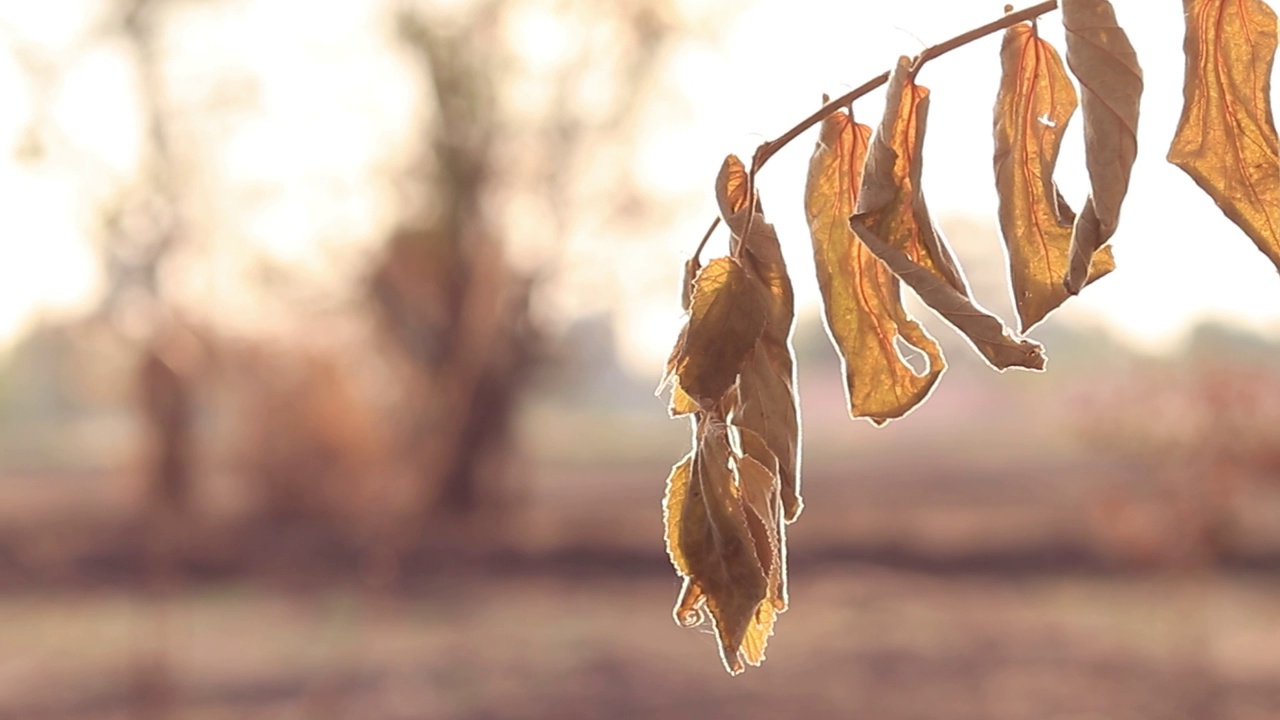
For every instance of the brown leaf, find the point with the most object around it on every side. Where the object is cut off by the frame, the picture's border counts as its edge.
(1034, 105)
(673, 506)
(890, 198)
(762, 502)
(731, 187)
(681, 403)
(690, 605)
(766, 401)
(1101, 58)
(861, 298)
(893, 221)
(1226, 139)
(726, 318)
(691, 268)
(716, 546)
(755, 448)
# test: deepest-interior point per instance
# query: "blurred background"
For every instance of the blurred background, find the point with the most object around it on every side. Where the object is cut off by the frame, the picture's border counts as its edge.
(328, 339)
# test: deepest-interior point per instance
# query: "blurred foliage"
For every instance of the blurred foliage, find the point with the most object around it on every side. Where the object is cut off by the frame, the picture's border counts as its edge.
(1203, 428)
(397, 397)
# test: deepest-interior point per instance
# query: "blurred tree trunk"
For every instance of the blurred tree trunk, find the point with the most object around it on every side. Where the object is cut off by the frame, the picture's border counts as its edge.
(167, 415)
(450, 300)
(143, 230)
(445, 287)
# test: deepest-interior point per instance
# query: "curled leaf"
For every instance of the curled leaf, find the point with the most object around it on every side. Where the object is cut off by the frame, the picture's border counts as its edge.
(893, 221)
(861, 298)
(983, 330)
(1226, 138)
(1034, 105)
(755, 448)
(717, 548)
(762, 504)
(1103, 60)
(726, 318)
(766, 401)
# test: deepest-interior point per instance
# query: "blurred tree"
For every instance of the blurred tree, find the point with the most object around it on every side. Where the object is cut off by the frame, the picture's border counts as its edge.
(449, 295)
(142, 231)
(141, 227)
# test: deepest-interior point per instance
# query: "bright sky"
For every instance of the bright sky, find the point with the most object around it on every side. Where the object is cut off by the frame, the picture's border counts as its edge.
(303, 171)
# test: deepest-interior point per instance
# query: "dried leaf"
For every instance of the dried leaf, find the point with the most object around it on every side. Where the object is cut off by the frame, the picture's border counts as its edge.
(861, 298)
(1034, 105)
(681, 403)
(1103, 60)
(673, 505)
(690, 605)
(1226, 139)
(761, 499)
(890, 198)
(756, 449)
(726, 318)
(691, 268)
(716, 546)
(766, 401)
(732, 184)
(894, 223)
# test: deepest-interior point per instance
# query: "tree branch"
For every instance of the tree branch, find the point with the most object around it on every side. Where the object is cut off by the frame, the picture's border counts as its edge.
(769, 148)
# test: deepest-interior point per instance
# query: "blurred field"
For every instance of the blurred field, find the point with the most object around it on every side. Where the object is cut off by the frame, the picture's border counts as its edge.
(858, 642)
(978, 592)
(960, 566)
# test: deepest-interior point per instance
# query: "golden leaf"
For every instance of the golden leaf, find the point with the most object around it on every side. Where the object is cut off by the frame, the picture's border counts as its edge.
(893, 221)
(716, 546)
(691, 268)
(726, 318)
(1226, 139)
(731, 187)
(861, 298)
(673, 505)
(762, 502)
(1102, 59)
(1034, 105)
(755, 448)
(766, 400)
(681, 403)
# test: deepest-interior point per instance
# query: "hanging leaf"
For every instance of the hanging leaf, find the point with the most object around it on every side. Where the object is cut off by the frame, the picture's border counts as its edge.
(716, 547)
(1034, 105)
(1103, 61)
(766, 402)
(762, 502)
(726, 318)
(861, 298)
(691, 268)
(893, 221)
(1226, 139)
(672, 507)
(757, 489)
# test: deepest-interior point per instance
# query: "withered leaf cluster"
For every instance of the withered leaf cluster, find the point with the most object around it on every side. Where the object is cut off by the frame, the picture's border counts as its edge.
(732, 371)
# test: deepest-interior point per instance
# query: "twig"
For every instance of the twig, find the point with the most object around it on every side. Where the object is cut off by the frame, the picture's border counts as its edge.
(769, 148)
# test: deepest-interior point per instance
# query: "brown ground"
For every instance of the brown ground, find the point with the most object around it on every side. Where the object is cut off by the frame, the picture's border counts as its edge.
(975, 581)
(858, 642)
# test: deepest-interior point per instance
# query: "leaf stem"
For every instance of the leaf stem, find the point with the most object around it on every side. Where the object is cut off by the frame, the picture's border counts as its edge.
(769, 148)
